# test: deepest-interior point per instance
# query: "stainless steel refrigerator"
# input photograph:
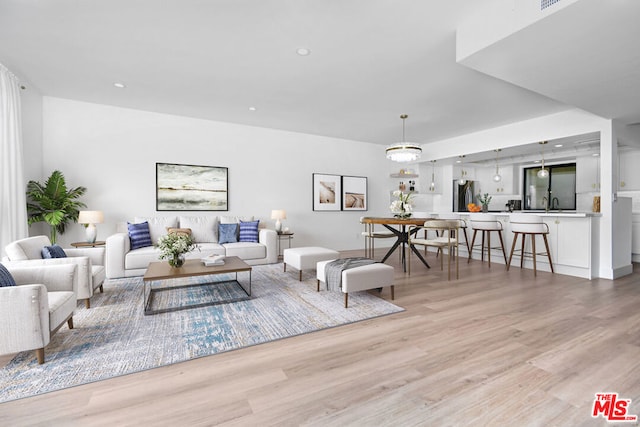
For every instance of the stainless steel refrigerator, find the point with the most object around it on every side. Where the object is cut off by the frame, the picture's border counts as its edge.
(463, 194)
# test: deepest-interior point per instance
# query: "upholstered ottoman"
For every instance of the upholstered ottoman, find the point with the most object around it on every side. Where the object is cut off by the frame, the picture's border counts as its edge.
(306, 258)
(361, 278)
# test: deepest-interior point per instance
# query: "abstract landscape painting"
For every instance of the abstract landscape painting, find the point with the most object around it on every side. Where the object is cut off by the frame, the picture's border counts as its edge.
(354, 193)
(191, 188)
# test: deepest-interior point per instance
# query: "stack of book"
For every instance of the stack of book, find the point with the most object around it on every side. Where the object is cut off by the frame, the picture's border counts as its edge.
(212, 260)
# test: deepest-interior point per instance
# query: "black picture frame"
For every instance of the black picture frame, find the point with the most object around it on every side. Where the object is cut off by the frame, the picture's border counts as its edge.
(354, 193)
(181, 187)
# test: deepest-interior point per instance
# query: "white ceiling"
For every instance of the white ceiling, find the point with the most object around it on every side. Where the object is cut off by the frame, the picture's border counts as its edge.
(371, 60)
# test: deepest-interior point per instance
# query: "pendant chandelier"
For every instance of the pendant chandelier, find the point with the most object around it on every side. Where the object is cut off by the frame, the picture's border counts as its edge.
(404, 151)
(462, 180)
(432, 186)
(497, 177)
(543, 173)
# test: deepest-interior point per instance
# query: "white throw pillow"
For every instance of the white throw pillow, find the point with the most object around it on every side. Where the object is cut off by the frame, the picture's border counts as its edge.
(234, 219)
(204, 229)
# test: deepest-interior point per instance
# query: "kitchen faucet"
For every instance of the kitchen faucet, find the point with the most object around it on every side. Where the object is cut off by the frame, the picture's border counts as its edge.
(545, 203)
(555, 203)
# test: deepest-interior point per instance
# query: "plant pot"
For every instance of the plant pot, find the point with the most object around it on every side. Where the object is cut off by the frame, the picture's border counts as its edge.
(485, 208)
(176, 261)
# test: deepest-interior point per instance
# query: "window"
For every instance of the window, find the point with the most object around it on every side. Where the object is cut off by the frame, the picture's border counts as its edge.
(555, 191)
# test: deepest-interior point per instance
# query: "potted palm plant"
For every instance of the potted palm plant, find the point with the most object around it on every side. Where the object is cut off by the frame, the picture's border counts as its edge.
(53, 203)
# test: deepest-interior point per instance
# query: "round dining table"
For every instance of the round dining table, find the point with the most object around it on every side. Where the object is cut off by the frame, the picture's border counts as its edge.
(398, 226)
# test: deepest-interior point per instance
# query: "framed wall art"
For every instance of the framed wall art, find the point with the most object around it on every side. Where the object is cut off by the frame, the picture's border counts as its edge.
(327, 192)
(191, 188)
(354, 193)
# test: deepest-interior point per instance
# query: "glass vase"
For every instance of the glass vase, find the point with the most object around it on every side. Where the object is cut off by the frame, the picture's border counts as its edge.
(176, 261)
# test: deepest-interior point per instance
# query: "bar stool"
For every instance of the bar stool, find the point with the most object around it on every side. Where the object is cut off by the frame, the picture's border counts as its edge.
(532, 225)
(369, 236)
(463, 225)
(486, 223)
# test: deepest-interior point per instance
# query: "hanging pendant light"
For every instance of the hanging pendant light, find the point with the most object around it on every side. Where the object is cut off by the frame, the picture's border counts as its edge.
(404, 151)
(432, 186)
(497, 177)
(462, 180)
(543, 173)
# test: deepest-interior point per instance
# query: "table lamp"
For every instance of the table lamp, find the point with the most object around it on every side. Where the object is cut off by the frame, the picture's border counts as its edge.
(90, 219)
(278, 214)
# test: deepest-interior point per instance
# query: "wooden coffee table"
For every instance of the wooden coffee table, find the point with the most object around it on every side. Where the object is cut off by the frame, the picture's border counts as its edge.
(161, 271)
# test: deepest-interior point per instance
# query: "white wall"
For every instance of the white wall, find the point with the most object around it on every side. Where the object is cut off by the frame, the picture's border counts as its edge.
(113, 151)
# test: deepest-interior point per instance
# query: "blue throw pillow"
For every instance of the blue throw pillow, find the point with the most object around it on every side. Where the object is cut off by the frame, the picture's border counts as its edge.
(249, 231)
(6, 279)
(53, 251)
(139, 235)
(227, 233)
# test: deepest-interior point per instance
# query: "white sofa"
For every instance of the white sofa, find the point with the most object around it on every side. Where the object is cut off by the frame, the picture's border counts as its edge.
(121, 261)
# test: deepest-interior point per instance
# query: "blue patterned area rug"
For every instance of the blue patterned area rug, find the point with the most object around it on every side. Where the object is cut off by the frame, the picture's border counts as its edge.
(115, 338)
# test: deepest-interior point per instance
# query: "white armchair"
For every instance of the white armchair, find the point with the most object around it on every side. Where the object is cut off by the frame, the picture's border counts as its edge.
(90, 273)
(32, 311)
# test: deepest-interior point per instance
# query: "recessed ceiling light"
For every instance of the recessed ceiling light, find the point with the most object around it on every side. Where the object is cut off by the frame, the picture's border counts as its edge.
(303, 51)
(252, 108)
(596, 154)
(536, 161)
(558, 145)
(119, 85)
(458, 161)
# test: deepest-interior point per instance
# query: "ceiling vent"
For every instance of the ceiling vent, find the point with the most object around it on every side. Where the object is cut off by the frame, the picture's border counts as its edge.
(546, 3)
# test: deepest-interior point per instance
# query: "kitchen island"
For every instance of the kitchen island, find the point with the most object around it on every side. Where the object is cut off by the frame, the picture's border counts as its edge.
(573, 240)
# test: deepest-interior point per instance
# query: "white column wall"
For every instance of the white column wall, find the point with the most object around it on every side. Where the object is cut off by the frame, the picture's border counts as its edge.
(113, 152)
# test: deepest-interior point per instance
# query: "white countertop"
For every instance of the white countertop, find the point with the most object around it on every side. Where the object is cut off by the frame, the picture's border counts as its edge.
(569, 214)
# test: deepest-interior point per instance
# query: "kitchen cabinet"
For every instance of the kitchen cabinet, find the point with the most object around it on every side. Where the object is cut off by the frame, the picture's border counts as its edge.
(635, 238)
(629, 170)
(506, 185)
(588, 174)
(570, 241)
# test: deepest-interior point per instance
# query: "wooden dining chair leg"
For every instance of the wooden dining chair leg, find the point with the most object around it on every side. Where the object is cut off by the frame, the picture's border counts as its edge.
(533, 249)
(504, 253)
(546, 244)
(489, 247)
(513, 248)
(473, 241)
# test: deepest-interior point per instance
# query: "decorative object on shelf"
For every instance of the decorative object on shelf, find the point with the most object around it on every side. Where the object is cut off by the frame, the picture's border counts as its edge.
(52, 203)
(462, 180)
(402, 186)
(543, 173)
(497, 177)
(404, 151)
(191, 188)
(484, 200)
(403, 207)
(90, 219)
(354, 193)
(327, 192)
(278, 214)
(432, 185)
(412, 186)
(174, 246)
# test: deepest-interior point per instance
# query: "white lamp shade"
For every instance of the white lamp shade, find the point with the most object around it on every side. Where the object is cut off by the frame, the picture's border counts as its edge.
(90, 217)
(278, 214)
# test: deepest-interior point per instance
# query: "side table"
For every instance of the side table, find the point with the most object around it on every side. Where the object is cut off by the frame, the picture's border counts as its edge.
(88, 244)
(283, 235)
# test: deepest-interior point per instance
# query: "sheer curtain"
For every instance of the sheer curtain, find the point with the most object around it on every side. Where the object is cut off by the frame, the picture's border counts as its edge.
(13, 210)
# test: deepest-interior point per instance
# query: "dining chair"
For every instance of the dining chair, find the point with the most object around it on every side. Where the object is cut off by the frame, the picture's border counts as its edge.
(463, 226)
(370, 235)
(444, 235)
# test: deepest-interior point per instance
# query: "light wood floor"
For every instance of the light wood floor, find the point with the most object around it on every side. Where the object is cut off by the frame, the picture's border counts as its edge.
(493, 348)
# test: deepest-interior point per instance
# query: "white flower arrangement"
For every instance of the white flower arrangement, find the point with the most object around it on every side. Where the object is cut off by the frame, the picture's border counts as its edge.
(173, 245)
(402, 207)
